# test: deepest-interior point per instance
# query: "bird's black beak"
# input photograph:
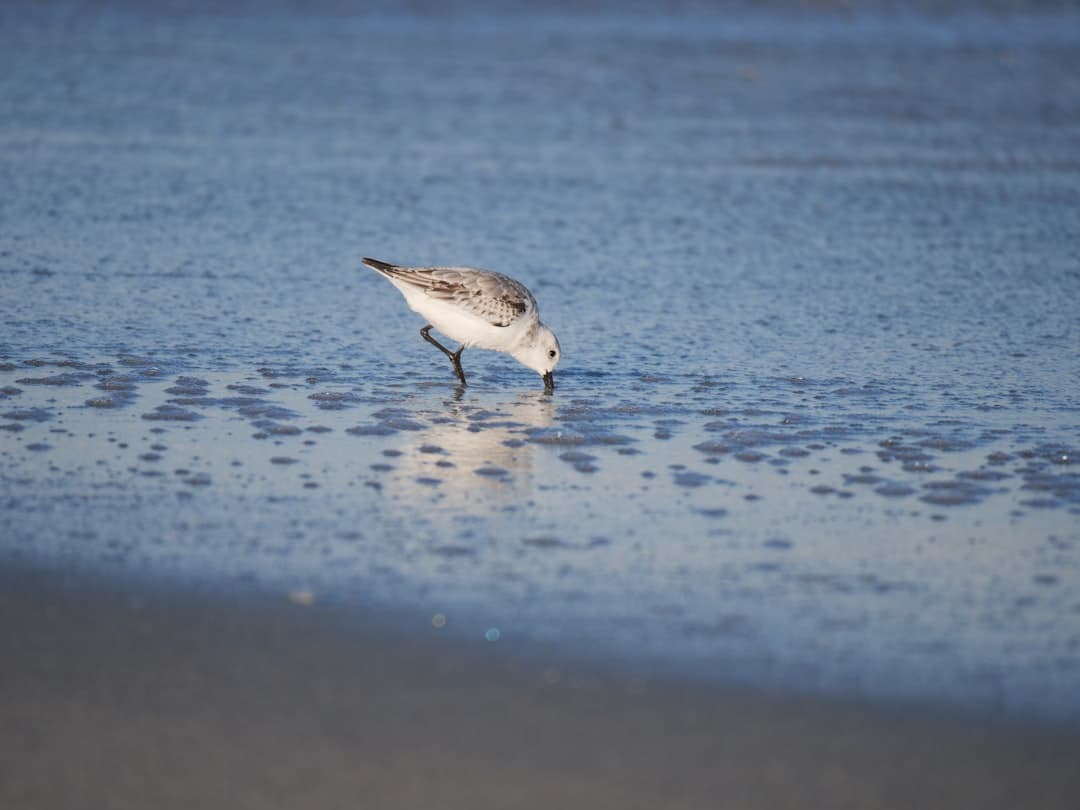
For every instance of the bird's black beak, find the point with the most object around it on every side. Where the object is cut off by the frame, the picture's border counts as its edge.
(549, 383)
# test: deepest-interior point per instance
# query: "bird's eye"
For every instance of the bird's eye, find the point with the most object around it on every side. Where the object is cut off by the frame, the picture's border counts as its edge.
(551, 353)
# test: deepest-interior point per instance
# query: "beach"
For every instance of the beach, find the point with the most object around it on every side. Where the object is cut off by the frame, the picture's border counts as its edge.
(799, 524)
(123, 696)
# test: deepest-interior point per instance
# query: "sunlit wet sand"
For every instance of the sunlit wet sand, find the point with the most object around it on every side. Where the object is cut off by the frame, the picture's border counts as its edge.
(774, 543)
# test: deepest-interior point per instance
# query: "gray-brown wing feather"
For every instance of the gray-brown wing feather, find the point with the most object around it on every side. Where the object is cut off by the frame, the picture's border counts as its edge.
(496, 298)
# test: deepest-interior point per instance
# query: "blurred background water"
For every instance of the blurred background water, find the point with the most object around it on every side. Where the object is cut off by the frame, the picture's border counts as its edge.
(815, 273)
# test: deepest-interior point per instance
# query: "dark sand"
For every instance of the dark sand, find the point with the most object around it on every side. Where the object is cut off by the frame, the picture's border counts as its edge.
(121, 695)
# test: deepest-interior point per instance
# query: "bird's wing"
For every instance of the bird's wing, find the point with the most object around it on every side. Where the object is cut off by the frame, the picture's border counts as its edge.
(497, 299)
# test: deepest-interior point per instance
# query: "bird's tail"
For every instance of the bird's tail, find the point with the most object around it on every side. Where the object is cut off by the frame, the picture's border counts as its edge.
(382, 267)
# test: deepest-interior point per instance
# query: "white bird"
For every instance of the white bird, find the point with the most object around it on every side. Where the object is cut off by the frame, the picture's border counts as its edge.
(477, 308)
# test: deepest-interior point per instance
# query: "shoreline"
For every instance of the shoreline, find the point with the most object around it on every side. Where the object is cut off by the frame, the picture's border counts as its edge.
(129, 695)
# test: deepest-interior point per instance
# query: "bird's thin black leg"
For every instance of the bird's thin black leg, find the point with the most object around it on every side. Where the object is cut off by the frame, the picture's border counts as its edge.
(425, 333)
(455, 357)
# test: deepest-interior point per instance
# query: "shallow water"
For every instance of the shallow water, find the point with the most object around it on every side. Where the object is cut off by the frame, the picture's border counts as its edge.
(816, 285)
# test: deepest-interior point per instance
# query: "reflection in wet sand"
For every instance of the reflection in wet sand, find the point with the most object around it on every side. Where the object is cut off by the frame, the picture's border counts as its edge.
(473, 456)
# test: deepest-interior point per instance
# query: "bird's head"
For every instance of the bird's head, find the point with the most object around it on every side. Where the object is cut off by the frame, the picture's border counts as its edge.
(541, 354)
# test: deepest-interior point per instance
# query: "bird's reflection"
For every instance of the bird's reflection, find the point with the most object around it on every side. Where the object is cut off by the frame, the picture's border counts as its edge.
(473, 453)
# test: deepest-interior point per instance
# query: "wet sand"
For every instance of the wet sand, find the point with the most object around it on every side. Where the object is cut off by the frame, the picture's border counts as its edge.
(129, 695)
(725, 531)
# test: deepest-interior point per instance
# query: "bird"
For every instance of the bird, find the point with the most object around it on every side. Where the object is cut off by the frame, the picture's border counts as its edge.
(478, 308)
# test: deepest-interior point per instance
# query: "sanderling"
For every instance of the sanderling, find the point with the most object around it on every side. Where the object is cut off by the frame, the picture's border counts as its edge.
(478, 308)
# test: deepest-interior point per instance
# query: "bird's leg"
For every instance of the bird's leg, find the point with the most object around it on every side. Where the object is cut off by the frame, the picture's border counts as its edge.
(455, 357)
(426, 334)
